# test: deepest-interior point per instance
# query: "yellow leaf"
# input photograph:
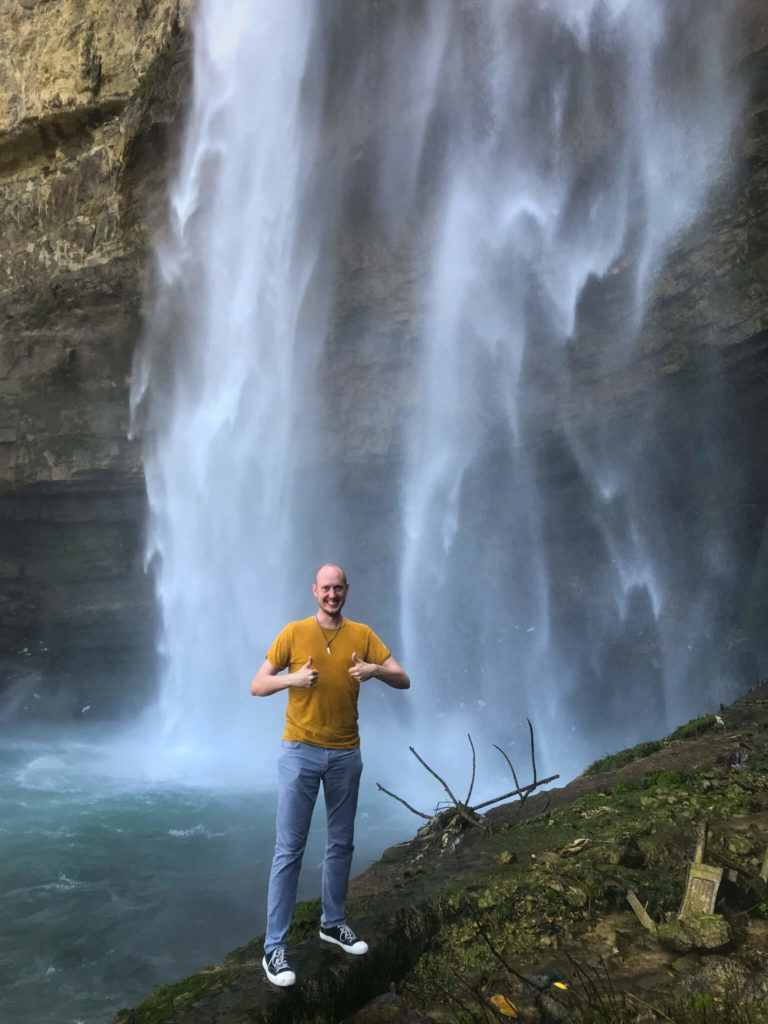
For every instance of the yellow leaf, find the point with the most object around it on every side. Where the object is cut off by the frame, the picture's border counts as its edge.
(504, 1006)
(560, 984)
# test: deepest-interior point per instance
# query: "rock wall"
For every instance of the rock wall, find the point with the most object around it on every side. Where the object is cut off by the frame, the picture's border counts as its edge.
(90, 95)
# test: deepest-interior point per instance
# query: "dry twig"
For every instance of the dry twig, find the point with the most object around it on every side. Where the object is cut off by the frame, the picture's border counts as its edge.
(467, 812)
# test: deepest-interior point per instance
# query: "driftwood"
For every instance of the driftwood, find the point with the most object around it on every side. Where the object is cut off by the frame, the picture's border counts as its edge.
(462, 808)
(642, 914)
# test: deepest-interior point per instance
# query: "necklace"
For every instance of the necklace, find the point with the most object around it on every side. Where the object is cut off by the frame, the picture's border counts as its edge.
(328, 640)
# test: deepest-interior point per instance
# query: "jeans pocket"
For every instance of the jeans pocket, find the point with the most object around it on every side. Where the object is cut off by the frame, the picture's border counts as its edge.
(291, 744)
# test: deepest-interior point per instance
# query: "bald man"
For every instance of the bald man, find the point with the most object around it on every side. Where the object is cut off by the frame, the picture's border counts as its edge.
(327, 657)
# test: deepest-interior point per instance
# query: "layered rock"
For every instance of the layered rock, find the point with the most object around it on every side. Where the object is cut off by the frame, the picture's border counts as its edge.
(88, 92)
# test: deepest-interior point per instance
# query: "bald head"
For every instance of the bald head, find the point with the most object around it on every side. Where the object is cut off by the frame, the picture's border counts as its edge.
(336, 570)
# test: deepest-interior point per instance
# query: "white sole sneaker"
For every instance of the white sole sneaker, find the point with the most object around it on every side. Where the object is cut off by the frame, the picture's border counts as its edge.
(357, 948)
(282, 979)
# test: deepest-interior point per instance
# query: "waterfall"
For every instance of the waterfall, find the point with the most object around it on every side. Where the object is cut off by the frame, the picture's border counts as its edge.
(585, 140)
(223, 388)
(392, 233)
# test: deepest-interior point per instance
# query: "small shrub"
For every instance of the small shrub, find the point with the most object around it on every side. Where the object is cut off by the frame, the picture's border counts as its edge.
(667, 780)
(611, 762)
(695, 727)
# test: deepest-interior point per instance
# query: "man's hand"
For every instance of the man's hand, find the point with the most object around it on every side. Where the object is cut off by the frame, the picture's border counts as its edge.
(362, 670)
(304, 677)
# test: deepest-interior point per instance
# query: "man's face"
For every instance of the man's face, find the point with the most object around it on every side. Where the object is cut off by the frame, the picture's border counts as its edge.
(330, 588)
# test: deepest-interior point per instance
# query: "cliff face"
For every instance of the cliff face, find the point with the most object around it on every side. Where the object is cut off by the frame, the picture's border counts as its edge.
(91, 96)
(88, 92)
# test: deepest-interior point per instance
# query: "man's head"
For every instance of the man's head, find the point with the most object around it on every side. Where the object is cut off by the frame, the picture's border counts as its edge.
(330, 588)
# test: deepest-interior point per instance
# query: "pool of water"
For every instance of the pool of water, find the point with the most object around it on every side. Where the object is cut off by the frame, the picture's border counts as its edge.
(111, 885)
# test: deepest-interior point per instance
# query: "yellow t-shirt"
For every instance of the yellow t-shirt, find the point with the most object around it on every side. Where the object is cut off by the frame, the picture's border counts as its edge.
(325, 715)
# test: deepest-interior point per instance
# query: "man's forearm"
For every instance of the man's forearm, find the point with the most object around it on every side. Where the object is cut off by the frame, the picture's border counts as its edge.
(266, 680)
(393, 676)
(263, 685)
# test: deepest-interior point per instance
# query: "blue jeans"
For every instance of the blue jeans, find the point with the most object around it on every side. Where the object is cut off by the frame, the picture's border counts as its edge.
(300, 769)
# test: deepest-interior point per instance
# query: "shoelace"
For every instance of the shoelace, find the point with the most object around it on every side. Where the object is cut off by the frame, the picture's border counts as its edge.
(346, 934)
(278, 961)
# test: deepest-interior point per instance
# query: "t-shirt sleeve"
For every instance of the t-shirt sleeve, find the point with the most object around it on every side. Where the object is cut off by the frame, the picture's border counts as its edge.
(279, 654)
(377, 652)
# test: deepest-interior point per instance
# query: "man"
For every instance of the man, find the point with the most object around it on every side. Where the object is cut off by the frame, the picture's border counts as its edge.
(327, 657)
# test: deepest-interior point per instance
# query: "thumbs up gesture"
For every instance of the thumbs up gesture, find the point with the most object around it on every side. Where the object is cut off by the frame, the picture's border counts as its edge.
(304, 677)
(361, 670)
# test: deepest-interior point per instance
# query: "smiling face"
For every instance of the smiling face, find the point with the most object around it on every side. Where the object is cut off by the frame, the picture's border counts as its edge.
(330, 589)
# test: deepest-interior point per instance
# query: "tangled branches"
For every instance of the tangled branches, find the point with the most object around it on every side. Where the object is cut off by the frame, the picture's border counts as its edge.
(469, 813)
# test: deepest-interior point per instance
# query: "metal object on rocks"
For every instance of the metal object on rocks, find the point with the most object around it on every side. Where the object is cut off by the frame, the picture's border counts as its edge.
(703, 881)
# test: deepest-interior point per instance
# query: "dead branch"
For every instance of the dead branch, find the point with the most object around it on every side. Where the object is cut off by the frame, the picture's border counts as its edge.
(465, 811)
(433, 772)
(523, 791)
(404, 803)
(511, 767)
(474, 762)
(533, 750)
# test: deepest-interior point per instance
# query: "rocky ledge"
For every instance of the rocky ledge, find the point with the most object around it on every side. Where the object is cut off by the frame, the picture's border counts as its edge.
(90, 95)
(528, 915)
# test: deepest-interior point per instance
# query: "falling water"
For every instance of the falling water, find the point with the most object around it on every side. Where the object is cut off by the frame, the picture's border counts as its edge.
(372, 309)
(584, 141)
(224, 380)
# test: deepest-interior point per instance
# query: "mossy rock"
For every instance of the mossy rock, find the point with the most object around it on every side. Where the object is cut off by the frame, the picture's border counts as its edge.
(705, 932)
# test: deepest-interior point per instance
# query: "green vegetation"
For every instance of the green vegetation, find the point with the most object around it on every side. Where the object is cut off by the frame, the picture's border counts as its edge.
(611, 762)
(665, 780)
(305, 923)
(168, 1000)
(695, 727)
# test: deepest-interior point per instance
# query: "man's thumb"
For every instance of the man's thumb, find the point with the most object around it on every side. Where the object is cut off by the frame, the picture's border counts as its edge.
(309, 661)
(354, 656)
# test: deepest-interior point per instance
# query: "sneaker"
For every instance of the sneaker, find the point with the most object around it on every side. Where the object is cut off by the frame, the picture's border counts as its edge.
(277, 968)
(342, 935)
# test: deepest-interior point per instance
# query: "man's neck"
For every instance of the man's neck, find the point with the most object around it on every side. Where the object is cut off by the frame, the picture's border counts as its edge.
(328, 621)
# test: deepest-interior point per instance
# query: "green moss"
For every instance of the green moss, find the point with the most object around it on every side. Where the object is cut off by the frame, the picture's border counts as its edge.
(663, 780)
(611, 762)
(306, 921)
(169, 999)
(695, 727)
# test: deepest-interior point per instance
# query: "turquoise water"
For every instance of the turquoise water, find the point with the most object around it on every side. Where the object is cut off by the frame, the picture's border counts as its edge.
(111, 885)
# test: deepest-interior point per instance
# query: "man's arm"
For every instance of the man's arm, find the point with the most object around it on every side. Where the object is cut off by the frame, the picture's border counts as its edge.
(389, 672)
(266, 681)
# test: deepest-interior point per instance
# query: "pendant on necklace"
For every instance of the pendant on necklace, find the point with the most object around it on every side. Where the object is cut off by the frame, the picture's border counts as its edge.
(328, 648)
